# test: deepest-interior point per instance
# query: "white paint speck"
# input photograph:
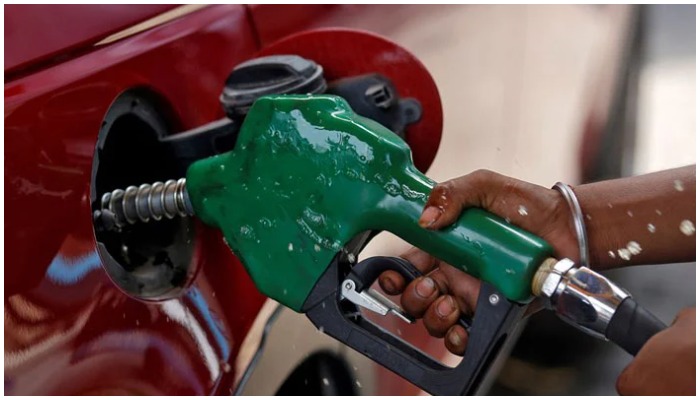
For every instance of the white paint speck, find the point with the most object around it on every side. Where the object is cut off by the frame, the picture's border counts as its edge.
(351, 258)
(629, 212)
(510, 271)
(624, 254)
(687, 227)
(609, 205)
(222, 167)
(658, 212)
(611, 254)
(226, 367)
(651, 228)
(290, 247)
(678, 185)
(358, 384)
(634, 248)
(588, 217)
(325, 382)
(317, 248)
(522, 210)
(508, 220)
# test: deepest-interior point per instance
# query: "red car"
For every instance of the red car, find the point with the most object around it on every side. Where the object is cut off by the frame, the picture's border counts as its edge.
(166, 309)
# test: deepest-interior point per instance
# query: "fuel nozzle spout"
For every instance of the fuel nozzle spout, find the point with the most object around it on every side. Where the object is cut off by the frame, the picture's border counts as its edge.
(123, 207)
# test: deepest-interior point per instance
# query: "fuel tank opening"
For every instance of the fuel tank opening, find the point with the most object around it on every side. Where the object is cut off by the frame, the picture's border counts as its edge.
(150, 261)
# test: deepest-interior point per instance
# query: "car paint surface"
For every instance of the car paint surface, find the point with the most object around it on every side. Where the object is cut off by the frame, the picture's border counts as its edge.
(68, 329)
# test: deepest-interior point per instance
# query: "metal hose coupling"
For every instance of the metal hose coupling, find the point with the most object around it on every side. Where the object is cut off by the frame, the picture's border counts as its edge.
(578, 295)
(146, 202)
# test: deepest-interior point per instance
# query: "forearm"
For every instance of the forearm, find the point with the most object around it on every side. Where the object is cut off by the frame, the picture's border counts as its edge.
(641, 220)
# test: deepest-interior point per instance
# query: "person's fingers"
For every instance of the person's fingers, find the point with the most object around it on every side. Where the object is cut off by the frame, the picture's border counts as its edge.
(449, 198)
(630, 381)
(393, 283)
(445, 279)
(464, 287)
(423, 261)
(441, 315)
(625, 382)
(456, 340)
(648, 361)
(419, 295)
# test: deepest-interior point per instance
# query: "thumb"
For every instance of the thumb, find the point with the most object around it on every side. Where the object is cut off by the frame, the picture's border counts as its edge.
(449, 198)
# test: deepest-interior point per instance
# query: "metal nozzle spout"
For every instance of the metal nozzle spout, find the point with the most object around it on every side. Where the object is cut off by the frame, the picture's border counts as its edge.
(120, 208)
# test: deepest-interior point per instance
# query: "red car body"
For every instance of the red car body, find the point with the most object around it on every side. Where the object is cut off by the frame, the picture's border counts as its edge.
(68, 328)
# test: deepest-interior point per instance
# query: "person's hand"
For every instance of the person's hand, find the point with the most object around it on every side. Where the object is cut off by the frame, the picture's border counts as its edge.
(439, 297)
(536, 209)
(666, 363)
(446, 292)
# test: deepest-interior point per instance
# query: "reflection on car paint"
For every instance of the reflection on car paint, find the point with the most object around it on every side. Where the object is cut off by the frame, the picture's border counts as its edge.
(178, 312)
(212, 322)
(67, 271)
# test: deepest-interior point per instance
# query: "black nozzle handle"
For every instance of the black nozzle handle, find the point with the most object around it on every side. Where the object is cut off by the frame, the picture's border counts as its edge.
(632, 326)
(494, 319)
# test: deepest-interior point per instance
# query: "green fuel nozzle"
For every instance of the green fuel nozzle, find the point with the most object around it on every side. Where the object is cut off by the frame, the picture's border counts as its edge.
(307, 184)
(307, 175)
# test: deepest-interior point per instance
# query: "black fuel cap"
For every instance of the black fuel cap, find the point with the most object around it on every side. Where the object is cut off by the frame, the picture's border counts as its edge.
(280, 74)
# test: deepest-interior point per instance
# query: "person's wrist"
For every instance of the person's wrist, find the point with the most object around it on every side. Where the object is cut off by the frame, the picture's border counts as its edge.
(577, 221)
(563, 236)
(600, 238)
